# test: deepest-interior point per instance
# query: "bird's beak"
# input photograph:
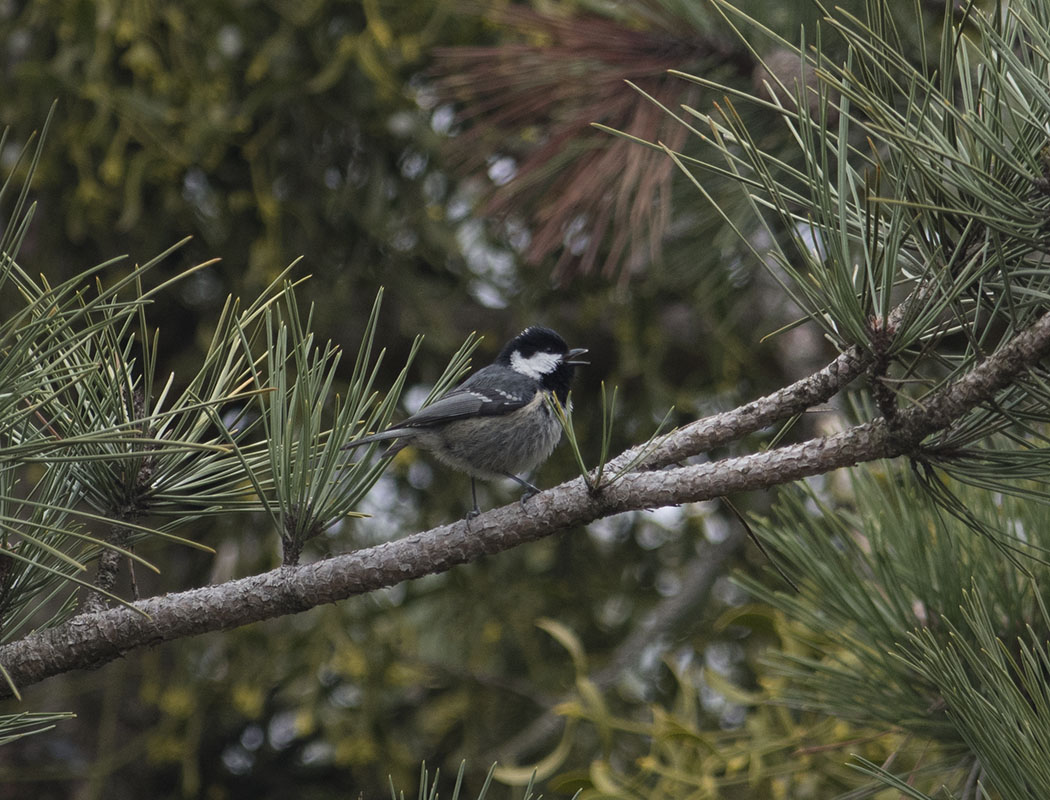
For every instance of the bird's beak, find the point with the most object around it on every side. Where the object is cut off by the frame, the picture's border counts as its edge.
(573, 355)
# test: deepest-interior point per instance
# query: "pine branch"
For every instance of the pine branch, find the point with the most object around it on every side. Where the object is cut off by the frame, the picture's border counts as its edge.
(730, 426)
(717, 430)
(91, 640)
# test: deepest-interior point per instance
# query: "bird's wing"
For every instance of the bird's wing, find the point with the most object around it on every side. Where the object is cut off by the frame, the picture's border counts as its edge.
(475, 397)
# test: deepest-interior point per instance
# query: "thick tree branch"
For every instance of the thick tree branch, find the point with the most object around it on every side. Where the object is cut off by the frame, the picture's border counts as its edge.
(90, 640)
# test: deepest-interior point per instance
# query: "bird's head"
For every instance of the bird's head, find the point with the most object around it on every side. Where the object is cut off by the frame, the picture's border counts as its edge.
(541, 354)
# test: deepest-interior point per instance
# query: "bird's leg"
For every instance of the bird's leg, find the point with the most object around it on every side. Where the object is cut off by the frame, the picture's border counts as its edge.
(530, 490)
(474, 496)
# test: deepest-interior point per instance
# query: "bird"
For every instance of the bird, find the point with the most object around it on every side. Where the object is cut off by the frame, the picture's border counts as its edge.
(496, 423)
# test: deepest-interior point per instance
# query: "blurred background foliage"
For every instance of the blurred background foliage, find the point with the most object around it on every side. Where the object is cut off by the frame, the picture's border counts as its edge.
(441, 150)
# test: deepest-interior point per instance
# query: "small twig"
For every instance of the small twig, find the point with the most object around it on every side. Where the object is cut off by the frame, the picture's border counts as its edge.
(43, 421)
(885, 400)
(106, 571)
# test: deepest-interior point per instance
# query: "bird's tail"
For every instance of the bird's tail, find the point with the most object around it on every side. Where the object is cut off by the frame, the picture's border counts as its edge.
(382, 436)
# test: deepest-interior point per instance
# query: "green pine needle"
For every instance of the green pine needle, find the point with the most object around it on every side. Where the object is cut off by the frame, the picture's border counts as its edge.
(597, 479)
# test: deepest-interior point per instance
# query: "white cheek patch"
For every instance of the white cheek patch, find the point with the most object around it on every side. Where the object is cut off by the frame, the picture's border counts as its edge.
(535, 366)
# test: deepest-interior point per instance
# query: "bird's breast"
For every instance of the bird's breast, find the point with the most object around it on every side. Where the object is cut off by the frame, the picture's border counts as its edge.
(487, 447)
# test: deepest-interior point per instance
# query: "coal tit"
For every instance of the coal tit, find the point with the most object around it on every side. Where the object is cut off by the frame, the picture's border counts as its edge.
(497, 422)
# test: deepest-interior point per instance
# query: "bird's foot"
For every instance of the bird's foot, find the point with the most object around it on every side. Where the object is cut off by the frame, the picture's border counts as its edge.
(474, 512)
(528, 494)
(530, 490)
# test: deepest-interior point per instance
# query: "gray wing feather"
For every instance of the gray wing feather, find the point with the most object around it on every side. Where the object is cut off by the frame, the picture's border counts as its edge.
(461, 403)
(472, 398)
